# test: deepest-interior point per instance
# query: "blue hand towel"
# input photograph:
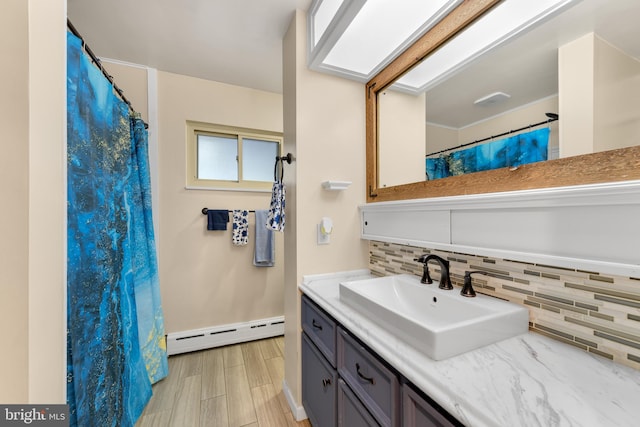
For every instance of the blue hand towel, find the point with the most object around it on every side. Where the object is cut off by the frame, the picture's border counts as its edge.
(217, 219)
(265, 252)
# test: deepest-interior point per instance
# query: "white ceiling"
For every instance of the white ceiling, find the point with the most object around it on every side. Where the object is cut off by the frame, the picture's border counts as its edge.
(231, 41)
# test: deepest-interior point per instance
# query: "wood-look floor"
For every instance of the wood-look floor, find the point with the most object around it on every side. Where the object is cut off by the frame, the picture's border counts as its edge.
(232, 386)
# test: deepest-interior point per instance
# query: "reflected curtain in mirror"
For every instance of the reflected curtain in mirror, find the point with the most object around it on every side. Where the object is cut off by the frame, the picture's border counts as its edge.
(529, 147)
(115, 327)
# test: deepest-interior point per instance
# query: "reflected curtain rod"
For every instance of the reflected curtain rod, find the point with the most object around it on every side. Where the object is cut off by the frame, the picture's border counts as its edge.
(98, 64)
(552, 118)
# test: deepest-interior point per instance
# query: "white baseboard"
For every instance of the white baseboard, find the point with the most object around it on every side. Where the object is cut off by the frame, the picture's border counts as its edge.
(217, 336)
(298, 412)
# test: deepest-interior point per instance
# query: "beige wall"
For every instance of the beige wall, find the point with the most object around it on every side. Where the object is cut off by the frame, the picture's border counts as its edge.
(617, 98)
(132, 80)
(32, 255)
(439, 138)
(47, 190)
(402, 134)
(204, 279)
(599, 91)
(575, 84)
(14, 190)
(325, 130)
(292, 54)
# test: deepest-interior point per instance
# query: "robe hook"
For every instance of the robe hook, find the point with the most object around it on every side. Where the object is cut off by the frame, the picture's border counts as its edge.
(288, 158)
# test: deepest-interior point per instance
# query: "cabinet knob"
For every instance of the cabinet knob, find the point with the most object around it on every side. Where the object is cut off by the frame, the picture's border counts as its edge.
(316, 325)
(326, 382)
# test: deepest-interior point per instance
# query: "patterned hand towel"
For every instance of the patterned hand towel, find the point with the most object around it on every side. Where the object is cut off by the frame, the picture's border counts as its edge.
(240, 234)
(276, 218)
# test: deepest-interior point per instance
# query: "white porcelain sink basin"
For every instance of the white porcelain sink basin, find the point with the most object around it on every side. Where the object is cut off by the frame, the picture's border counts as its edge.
(436, 322)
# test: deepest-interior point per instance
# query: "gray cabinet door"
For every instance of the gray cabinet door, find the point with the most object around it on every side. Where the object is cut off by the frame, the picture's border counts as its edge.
(321, 328)
(351, 412)
(319, 385)
(375, 384)
(417, 411)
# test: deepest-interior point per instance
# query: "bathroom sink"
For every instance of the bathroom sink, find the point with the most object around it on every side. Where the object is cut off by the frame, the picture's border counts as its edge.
(437, 322)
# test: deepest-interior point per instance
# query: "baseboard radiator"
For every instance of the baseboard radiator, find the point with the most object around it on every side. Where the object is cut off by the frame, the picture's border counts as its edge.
(218, 336)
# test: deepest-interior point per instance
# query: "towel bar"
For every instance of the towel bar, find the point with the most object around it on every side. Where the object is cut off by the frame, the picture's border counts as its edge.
(205, 210)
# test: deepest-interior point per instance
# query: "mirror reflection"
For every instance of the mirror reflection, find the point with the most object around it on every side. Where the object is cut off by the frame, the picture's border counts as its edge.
(581, 65)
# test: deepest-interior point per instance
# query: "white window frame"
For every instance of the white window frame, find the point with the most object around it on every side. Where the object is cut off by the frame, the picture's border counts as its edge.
(199, 128)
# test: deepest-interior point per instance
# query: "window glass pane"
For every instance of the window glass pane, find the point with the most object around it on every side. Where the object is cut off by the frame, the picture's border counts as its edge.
(258, 159)
(217, 157)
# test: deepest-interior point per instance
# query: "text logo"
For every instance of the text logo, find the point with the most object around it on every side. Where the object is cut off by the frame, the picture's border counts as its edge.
(34, 415)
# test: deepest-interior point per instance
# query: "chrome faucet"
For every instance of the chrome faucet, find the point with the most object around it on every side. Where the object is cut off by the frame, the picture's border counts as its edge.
(445, 280)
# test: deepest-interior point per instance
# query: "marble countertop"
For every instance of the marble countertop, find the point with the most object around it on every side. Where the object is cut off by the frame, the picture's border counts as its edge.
(528, 380)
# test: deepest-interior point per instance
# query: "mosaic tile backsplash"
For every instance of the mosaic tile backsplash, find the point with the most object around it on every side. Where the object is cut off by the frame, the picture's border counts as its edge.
(595, 312)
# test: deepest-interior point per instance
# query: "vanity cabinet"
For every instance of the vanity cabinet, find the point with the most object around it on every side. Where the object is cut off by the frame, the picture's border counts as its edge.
(346, 384)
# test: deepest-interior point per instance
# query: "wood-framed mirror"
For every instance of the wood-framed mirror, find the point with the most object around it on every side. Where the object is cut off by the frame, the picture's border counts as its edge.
(606, 166)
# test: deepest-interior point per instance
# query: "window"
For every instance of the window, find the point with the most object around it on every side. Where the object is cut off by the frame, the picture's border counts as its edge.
(226, 158)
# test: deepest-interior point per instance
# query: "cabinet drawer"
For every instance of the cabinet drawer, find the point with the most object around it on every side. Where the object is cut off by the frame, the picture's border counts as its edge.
(321, 329)
(319, 384)
(351, 412)
(374, 383)
(420, 411)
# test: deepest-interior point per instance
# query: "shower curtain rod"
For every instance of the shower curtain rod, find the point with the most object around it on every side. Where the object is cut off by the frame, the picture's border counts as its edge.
(98, 64)
(552, 118)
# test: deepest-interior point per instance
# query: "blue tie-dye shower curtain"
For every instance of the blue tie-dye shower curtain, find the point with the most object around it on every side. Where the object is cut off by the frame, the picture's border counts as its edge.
(115, 332)
(529, 147)
(145, 268)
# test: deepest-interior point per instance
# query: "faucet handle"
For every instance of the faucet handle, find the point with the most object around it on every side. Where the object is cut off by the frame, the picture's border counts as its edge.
(467, 288)
(426, 278)
(422, 259)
